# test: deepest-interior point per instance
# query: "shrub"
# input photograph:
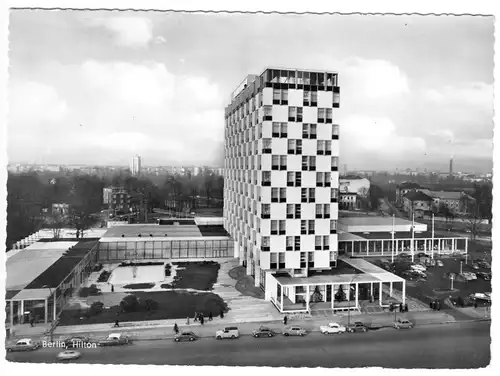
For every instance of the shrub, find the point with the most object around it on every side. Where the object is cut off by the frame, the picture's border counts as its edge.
(93, 290)
(97, 267)
(168, 270)
(139, 286)
(104, 276)
(130, 303)
(151, 305)
(96, 308)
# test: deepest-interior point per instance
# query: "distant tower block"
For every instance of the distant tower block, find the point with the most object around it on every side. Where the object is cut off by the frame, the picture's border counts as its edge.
(451, 165)
(345, 169)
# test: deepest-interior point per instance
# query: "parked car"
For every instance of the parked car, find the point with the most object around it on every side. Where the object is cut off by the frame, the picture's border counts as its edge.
(485, 296)
(263, 331)
(294, 331)
(228, 332)
(76, 342)
(332, 328)
(358, 326)
(115, 339)
(475, 266)
(439, 263)
(483, 275)
(404, 255)
(422, 254)
(24, 344)
(484, 264)
(469, 276)
(68, 355)
(420, 267)
(185, 336)
(403, 324)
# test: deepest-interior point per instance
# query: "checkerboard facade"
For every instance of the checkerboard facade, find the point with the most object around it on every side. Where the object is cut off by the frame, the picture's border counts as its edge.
(281, 183)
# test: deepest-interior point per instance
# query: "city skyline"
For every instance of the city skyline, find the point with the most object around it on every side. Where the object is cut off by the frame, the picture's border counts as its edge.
(98, 100)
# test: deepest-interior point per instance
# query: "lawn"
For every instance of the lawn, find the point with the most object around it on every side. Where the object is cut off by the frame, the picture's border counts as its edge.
(194, 275)
(139, 286)
(435, 280)
(171, 305)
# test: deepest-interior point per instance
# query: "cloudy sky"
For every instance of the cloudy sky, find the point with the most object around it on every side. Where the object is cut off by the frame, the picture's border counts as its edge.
(98, 87)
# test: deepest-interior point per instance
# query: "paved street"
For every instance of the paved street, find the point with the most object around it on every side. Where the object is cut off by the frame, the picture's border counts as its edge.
(461, 345)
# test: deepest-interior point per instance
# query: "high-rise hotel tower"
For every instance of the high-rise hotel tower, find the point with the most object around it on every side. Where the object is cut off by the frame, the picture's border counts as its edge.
(281, 172)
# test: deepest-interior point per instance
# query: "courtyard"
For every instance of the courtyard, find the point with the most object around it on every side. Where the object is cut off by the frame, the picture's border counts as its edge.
(134, 291)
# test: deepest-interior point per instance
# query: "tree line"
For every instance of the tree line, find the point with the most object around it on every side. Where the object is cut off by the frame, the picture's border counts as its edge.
(30, 197)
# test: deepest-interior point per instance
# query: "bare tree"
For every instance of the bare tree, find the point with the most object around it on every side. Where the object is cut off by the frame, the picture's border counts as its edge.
(474, 222)
(55, 222)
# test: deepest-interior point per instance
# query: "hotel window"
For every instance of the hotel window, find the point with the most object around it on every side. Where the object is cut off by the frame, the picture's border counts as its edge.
(320, 148)
(283, 163)
(268, 113)
(297, 243)
(326, 242)
(267, 145)
(334, 195)
(290, 179)
(281, 259)
(333, 226)
(314, 99)
(282, 194)
(289, 243)
(273, 261)
(320, 179)
(335, 163)
(284, 97)
(336, 97)
(303, 227)
(284, 130)
(328, 179)
(329, 115)
(266, 211)
(328, 147)
(275, 162)
(266, 179)
(321, 115)
(299, 114)
(276, 129)
(282, 227)
(326, 211)
(290, 211)
(303, 259)
(276, 96)
(318, 243)
(307, 98)
(308, 163)
(274, 227)
(298, 178)
(274, 194)
(310, 259)
(260, 130)
(319, 211)
(265, 244)
(311, 195)
(292, 113)
(333, 258)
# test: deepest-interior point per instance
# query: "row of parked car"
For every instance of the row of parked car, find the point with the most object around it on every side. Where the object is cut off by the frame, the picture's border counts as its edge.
(233, 332)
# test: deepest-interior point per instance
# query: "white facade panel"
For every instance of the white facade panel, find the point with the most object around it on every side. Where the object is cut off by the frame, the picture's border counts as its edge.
(334, 179)
(293, 227)
(323, 163)
(293, 195)
(324, 131)
(310, 115)
(307, 243)
(294, 131)
(308, 179)
(323, 195)
(335, 147)
(278, 179)
(265, 258)
(267, 96)
(265, 193)
(308, 211)
(294, 162)
(334, 242)
(321, 259)
(278, 211)
(280, 146)
(325, 99)
(278, 243)
(280, 113)
(266, 162)
(322, 227)
(292, 260)
(310, 147)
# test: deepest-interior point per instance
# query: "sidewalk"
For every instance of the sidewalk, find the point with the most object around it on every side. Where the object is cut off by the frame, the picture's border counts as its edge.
(164, 329)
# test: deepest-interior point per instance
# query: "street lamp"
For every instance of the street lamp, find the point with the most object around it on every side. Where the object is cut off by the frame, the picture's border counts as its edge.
(349, 301)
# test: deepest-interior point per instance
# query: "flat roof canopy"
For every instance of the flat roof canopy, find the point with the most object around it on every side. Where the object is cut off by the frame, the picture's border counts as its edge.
(368, 273)
(397, 236)
(165, 231)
